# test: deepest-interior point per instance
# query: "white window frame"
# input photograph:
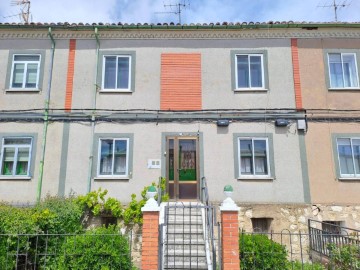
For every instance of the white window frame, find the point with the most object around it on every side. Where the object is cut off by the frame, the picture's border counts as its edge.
(16, 146)
(103, 89)
(25, 71)
(126, 175)
(343, 75)
(255, 176)
(262, 72)
(352, 154)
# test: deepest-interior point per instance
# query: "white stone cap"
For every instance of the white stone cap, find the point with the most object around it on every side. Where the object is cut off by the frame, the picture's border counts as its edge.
(229, 205)
(151, 206)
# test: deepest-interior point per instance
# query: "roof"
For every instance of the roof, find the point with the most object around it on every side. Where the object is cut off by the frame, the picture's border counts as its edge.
(218, 25)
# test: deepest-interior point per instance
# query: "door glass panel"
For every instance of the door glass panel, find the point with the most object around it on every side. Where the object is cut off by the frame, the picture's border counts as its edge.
(171, 169)
(182, 168)
(187, 160)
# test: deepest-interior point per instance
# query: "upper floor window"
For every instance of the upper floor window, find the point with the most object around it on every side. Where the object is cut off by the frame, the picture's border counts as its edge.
(117, 72)
(249, 71)
(113, 157)
(343, 72)
(25, 71)
(349, 156)
(15, 156)
(253, 157)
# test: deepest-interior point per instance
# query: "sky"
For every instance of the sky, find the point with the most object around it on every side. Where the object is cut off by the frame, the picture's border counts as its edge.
(195, 11)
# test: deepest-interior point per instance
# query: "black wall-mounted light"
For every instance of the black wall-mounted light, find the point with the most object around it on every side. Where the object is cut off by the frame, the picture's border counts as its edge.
(222, 122)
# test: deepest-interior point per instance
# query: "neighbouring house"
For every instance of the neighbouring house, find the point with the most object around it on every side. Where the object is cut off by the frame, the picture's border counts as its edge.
(269, 108)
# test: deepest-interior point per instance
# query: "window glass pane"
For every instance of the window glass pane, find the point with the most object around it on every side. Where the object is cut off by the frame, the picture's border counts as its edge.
(18, 75)
(110, 72)
(242, 71)
(31, 76)
(256, 71)
(336, 72)
(171, 160)
(27, 57)
(260, 154)
(120, 157)
(246, 163)
(350, 72)
(23, 157)
(345, 156)
(8, 161)
(123, 73)
(106, 157)
(8, 141)
(356, 149)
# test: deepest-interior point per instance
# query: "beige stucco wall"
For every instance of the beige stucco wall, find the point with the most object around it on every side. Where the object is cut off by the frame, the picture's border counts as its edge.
(22, 190)
(324, 185)
(217, 160)
(216, 74)
(313, 71)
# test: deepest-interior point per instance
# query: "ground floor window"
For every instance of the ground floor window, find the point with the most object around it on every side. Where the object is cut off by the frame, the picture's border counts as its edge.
(15, 156)
(253, 157)
(113, 157)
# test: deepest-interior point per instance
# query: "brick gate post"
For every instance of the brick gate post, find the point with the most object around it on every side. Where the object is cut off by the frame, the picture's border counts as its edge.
(150, 233)
(229, 232)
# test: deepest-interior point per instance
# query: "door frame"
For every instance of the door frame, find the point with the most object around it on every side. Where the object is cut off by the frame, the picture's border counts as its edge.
(199, 158)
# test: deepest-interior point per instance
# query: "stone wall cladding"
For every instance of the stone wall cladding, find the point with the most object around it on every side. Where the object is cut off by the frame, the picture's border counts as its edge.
(293, 219)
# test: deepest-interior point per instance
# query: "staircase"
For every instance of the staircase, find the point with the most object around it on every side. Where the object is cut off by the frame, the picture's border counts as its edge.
(183, 237)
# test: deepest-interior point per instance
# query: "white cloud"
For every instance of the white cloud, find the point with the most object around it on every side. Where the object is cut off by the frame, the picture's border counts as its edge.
(203, 11)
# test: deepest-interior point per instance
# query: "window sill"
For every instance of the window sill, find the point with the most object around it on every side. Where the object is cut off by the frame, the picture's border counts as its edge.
(251, 90)
(349, 179)
(249, 178)
(13, 178)
(22, 90)
(115, 91)
(111, 178)
(345, 89)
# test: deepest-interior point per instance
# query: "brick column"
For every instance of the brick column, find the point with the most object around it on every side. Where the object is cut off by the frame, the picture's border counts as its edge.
(150, 235)
(230, 234)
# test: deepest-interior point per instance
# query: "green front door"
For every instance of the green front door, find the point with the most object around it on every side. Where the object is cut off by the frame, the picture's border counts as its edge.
(182, 167)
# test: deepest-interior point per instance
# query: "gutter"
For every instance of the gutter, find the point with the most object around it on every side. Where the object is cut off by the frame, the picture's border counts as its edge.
(46, 119)
(172, 26)
(93, 115)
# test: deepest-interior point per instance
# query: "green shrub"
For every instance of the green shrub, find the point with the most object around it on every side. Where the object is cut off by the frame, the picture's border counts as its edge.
(14, 221)
(56, 215)
(259, 252)
(133, 213)
(95, 202)
(101, 248)
(345, 257)
(296, 265)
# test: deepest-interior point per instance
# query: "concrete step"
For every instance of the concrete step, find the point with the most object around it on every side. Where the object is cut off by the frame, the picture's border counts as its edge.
(184, 219)
(185, 266)
(194, 258)
(177, 241)
(186, 227)
(185, 252)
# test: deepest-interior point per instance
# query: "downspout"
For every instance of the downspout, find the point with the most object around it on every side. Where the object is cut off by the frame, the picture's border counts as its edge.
(46, 119)
(93, 116)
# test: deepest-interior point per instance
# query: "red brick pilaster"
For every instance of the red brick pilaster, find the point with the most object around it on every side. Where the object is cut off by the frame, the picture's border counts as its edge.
(230, 240)
(150, 241)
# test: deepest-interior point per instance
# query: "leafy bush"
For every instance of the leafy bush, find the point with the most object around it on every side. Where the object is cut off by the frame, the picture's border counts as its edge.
(296, 265)
(100, 248)
(132, 213)
(259, 252)
(95, 202)
(345, 257)
(58, 215)
(14, 221)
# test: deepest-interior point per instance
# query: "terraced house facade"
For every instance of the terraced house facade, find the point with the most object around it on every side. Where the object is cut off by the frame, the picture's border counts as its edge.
(271, 109)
